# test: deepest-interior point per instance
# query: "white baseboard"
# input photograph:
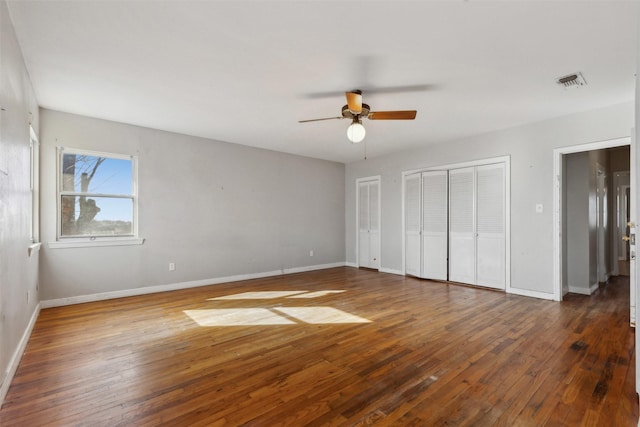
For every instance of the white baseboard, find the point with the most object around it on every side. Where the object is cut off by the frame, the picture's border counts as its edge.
(391, 271)
(595, 286)
(17, 355)
(528, 293)
(581, 290)
(181, 285)
(351, 264)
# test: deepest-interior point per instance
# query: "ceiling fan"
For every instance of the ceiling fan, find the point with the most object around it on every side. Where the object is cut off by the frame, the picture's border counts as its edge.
(355, 110)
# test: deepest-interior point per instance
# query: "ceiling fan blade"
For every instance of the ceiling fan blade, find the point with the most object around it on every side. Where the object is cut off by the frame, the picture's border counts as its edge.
(354, 101)
(392, 115)
(318, 120)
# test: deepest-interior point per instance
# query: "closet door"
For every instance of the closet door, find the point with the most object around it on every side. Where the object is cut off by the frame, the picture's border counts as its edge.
(490, 229)
(369, 224)
(374, 225)
(434, 225)
(462, 248)
(412, 251)
(363, 224)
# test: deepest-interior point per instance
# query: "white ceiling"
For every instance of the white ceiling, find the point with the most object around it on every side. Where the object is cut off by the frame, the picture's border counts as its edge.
(246, 72)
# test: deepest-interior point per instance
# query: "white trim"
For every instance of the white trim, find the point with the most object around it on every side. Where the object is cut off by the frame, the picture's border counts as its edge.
(528, 293)
(378, 179)
(557, 200)
(34, 185)
(351, 264)
(181, 285)
(93, 153)
(17, 355)
(470, 163)
(391, 271)
(34, 248)
(584, 291)
(60, 152)
(579, 290)
(97, 241)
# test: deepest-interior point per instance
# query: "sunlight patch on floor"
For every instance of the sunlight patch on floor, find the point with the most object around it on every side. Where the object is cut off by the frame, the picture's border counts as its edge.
(273, 316)
(315, 294)
(257, 295)
(237, 317)
(321, 315)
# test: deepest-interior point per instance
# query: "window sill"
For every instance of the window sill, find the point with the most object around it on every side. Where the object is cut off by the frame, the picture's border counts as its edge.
(34, 248)
(85, 243)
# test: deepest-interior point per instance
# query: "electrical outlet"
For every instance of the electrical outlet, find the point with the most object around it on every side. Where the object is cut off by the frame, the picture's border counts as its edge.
(172, 266)
(311, 252)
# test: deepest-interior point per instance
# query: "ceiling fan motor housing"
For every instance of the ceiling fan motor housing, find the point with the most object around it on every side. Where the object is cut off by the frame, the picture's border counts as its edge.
(347, 114)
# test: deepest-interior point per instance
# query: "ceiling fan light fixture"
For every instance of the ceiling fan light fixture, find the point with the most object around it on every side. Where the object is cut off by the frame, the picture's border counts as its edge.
(356, 132)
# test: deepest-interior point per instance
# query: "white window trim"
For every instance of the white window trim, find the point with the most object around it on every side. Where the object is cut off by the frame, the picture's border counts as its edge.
(96, 241)
(34, 187)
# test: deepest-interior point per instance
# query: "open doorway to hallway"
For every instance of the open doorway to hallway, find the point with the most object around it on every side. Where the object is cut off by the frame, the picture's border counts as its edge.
(595, 205)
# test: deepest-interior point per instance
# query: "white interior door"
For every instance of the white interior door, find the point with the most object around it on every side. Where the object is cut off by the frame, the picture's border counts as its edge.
(412, 224)
(434, 225)
(462, 247)
(374, 224)
(363, 224)
(490, 225)
(369, 224)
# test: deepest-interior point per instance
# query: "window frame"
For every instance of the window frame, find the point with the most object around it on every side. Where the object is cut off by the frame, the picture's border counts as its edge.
(87, 241)
(34, 187)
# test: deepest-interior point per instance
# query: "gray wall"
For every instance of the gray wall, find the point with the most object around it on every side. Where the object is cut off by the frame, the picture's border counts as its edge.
(214, 209)
(577, 239)
(18, 271)
(581, 237)
(531, 150)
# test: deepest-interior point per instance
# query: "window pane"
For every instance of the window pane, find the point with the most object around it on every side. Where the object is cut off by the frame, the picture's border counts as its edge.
(96, 216)
(91, 174)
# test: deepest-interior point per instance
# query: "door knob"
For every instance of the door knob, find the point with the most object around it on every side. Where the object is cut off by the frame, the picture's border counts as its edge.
(626, 238)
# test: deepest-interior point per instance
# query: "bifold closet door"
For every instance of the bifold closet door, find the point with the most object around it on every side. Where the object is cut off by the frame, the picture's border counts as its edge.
(434, 225)
(412, 224)
(491, 236)
(462, 242)
(368, 224)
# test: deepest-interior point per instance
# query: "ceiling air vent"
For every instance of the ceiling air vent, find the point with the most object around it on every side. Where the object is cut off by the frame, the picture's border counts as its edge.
(572, 80)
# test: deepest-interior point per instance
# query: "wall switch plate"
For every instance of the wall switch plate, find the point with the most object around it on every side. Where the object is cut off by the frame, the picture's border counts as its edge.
(539, 208)
(172, 266)
(311, 252)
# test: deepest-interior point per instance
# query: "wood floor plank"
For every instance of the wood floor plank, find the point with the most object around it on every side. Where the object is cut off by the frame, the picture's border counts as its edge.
(424, 353)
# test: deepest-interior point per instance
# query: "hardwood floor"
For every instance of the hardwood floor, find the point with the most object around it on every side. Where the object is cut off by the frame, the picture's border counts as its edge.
(388, 350)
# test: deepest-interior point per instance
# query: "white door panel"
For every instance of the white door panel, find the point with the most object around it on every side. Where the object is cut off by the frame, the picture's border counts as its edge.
(491, 261)
(374, 250)
(434, 225)
(435, 256)
(368, 224)
(462, 250)
(412, 254)
(462, 258)
(412, 224)
(490, 235)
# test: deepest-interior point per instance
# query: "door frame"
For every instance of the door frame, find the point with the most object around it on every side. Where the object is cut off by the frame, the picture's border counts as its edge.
(507, 205)
(359, 181)
(558, 171)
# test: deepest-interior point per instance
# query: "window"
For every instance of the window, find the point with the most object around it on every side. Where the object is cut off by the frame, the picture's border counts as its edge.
(34, 163)
(97, 200)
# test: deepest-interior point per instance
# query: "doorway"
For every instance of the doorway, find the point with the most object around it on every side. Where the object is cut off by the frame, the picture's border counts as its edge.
(587, 236)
